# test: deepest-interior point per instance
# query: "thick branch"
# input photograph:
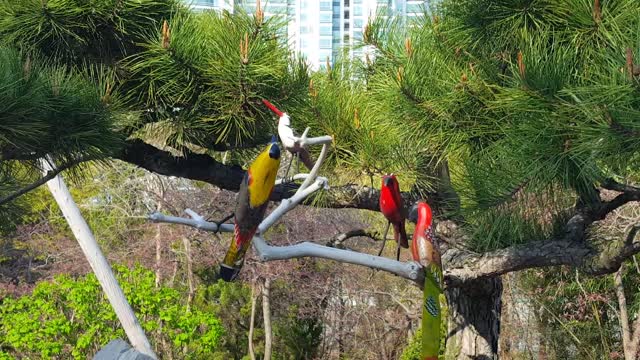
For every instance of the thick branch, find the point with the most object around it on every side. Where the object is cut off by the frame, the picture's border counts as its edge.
(14, 153)
(571, 249)
(461, 266)
(204, 168)
(193, 166)
(362, 197)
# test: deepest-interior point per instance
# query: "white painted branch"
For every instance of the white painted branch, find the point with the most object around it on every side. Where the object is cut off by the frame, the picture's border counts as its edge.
(311, 184)
(287, 204)
(302, 176)
(196, 223)
(407, 270)
(98, 262)
(314, 172)
(194, 215)
(314, 140)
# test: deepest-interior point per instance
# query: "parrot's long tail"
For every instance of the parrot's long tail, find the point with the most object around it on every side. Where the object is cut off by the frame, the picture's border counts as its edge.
(400, 234)
(234, 259)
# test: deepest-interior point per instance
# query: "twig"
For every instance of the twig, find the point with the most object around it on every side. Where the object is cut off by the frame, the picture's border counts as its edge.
(50, 174)
(339, 239)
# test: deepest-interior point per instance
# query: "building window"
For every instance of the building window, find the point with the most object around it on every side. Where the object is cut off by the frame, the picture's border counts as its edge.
(325, 43)
(357, 11)
(325, 17)
(346, 26)
(346, 14)
(415, 8)
(205, 3)
(325, 30)
(325, 5)
(346, 2)
(357, 23)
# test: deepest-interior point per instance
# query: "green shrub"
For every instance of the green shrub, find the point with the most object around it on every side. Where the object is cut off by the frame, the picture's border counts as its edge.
(72, 318)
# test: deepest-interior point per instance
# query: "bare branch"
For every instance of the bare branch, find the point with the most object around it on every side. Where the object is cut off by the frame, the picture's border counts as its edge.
(98, 262)
(265, 252)
(632, 234)
(462, 265)
(198, 223)
(611, 184)
(338, 240)
(409, 270)
(572, 249)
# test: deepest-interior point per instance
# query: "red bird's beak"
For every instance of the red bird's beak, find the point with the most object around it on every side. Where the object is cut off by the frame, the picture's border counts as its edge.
(272, 108)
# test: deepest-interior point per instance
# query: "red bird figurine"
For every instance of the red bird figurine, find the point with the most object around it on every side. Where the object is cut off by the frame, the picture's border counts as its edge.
(392, 208)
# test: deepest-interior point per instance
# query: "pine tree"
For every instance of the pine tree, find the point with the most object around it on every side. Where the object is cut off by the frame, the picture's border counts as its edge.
(510, 117)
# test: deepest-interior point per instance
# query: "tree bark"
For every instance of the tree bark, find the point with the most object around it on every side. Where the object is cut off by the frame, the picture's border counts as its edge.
(254, 299)
(474, 320)
(266, 314)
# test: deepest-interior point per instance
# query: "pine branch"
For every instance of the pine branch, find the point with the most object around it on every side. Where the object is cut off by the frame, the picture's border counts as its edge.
(43, 180)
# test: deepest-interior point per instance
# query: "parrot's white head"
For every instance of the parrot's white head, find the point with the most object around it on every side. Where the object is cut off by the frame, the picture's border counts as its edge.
(286, 132)
(284, 120)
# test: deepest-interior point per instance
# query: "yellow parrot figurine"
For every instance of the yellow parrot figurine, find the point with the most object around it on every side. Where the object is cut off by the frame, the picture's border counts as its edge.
(251, 204)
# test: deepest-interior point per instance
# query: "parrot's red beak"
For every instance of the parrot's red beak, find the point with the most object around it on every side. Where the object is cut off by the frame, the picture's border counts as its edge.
(272, 108)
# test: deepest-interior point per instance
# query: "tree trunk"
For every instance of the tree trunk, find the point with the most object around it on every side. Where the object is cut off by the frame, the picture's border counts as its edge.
(98, 262)
(254, 299)
(158, 250)
(474, 320)
(187, 250)
(266, 313)
(630, 336)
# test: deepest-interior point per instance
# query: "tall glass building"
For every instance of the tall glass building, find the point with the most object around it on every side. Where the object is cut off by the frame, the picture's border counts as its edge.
(321, 29)
(211, 4)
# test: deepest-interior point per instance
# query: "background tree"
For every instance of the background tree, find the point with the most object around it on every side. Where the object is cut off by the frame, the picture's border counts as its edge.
(509, 117)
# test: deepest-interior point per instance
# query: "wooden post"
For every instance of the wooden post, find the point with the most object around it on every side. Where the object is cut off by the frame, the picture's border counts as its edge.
(254, 298)
(266, 314)
(98, 262)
